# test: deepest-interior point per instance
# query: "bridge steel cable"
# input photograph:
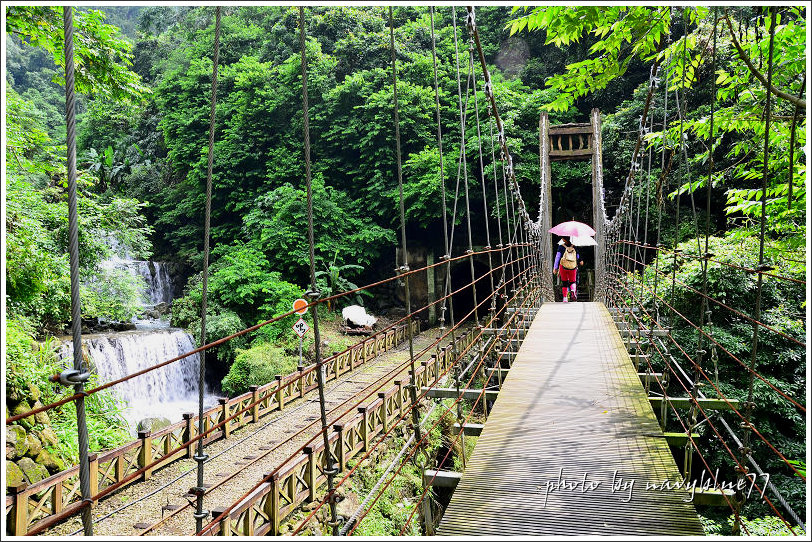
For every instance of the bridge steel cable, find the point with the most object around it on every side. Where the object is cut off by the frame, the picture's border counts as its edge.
(745, 450)
(464, 162)
(446, 245)
(79, 375)
(405, 265)
(699, 368)
(330, 467)
(745, 419)
(200, 457)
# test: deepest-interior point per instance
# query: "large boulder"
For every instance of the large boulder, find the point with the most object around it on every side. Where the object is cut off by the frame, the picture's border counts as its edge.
(16, 443)
(34, 472)
(122, 326)
(34, 445)
(14, 475)
(161, 308)
(50, 461)
(153, 424)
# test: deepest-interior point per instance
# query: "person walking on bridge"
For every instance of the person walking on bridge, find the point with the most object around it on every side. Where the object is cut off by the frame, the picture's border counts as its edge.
(567, 260)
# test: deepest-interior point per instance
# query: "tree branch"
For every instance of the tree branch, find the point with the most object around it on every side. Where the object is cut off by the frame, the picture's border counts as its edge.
(798, 102)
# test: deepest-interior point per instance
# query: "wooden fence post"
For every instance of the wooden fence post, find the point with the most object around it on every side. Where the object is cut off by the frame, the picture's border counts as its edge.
(56, 498)
(364, 427)
(280, 392)
(384, 414)
(93, 461)
(341, 449)
(224, 406)
(188, 433)
(145, 455)
(225, 523)
(254, 389)
(401, 402)
(310, 474)
(19, 509)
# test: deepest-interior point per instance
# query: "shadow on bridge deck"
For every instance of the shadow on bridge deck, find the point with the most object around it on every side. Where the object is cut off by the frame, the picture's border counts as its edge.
(572, 446)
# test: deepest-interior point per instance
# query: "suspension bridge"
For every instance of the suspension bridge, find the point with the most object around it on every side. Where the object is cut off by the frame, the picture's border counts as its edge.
(585, 405)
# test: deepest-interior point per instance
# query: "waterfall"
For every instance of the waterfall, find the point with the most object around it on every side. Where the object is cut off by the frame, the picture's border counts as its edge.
(159, 286)
(167, 392)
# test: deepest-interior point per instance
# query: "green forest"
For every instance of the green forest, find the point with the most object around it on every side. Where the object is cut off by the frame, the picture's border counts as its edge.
(143, 82)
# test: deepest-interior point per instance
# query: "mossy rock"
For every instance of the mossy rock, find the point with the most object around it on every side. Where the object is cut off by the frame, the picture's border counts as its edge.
(34, 472)
(50, 461)
(47, 436)
(34, 393)
(14, 475)
(41, 417)
(16, 443)
(34, 445)
(153, 424)
(21, 408)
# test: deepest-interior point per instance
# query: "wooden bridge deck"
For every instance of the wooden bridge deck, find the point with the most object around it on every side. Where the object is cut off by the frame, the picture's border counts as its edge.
(572, 408)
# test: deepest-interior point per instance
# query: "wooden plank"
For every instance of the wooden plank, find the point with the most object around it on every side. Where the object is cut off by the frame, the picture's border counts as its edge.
(451, 393)
(572, 128)
(635, 333)
(441, 478)
(678, 440)
(705, 404)
(556, 154)
(651, 378)
(571, 409)
(469, 429)
(714, 497)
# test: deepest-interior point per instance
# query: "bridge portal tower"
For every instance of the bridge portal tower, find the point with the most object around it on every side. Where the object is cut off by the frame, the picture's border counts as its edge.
(575, 141)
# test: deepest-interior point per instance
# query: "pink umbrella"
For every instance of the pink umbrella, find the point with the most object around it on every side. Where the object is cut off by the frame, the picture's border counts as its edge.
(572, 228)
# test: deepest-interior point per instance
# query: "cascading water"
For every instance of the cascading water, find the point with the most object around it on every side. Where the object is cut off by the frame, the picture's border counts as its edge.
(167, 392)
(159, 286)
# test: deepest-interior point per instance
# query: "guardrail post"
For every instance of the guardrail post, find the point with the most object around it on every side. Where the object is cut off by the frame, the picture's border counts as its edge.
(280, 393)
(224, 407)
(400, 403)
(145, 455)
(19, 510)
(254, 389)
(93, 460)
(56, 499)
(341, 449)
(384, 415)
(225, 523)
(188, 434)
(310, 474)
(273, 504)
(364, 427)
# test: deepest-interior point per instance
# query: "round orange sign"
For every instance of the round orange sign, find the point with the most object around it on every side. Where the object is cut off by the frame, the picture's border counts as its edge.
(300, 306)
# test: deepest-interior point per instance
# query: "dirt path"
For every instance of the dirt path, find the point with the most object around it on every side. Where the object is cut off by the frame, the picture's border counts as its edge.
(113, 516)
